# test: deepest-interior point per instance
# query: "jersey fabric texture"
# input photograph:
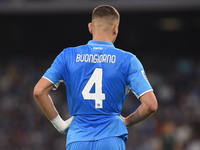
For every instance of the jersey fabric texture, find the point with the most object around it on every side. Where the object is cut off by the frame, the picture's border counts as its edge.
(98, 78)
(111, 143)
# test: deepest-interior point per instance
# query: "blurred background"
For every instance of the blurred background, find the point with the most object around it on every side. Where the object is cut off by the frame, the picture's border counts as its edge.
(163, 34)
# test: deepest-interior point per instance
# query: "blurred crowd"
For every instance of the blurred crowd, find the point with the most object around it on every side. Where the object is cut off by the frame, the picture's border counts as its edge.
(175, 125)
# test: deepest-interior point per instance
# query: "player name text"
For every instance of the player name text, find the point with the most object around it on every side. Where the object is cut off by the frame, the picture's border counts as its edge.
(96, 58)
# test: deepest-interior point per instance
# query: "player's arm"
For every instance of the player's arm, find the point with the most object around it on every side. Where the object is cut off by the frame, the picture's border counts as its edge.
(41, 94)
(148, 106)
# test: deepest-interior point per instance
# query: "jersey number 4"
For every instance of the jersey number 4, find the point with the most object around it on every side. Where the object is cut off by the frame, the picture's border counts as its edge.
(98, 96)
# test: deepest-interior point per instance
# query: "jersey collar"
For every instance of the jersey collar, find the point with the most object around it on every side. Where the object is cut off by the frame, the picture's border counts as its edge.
(100, 43)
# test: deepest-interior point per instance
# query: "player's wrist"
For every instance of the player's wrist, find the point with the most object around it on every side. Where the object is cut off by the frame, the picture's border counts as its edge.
(129, 121)
(60, 124)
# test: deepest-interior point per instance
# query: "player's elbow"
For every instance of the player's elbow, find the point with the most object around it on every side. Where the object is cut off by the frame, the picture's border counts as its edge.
(149, 102)
(37, 92)
(153, 106)
(150, 107)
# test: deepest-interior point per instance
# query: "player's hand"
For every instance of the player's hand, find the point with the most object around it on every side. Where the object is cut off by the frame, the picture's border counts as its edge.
(124, 119)
(61, 125)
(66, 125)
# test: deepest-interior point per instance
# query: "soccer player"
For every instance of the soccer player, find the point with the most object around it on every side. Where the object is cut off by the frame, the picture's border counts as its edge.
(98, 78)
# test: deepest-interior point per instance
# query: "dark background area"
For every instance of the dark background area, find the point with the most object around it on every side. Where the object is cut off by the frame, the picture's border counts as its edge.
(166, 41)
(139, 32)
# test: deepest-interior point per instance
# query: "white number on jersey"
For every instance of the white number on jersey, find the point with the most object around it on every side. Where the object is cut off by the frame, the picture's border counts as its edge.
(98, 96)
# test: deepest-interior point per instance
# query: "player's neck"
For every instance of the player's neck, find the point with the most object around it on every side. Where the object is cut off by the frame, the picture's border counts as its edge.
(103, 38)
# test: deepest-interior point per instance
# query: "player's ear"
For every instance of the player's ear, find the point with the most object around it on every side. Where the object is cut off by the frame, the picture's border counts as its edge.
(115, 29)
(90, 27)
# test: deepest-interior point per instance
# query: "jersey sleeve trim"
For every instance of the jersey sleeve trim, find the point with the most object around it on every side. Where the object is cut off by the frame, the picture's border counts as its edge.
(56, 85)
(145, 92)
(48, 79)
(138, 96)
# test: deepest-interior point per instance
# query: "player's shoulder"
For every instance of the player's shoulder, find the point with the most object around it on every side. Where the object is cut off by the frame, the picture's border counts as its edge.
(125, 53)
(129, 57)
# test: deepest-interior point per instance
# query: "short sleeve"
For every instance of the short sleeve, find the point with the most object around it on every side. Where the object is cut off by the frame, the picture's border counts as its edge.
(55, 73)
(137, 80)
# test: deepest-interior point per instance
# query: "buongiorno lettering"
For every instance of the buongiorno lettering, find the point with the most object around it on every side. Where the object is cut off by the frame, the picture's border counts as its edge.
(96, 58)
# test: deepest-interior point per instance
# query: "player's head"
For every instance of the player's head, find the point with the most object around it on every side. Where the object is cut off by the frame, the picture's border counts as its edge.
(105, 20)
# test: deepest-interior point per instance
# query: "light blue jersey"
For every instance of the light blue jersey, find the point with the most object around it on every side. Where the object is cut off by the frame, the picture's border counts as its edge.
(98, 78)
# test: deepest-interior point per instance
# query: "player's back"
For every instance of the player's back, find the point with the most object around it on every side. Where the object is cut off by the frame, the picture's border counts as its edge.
(96, 78)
